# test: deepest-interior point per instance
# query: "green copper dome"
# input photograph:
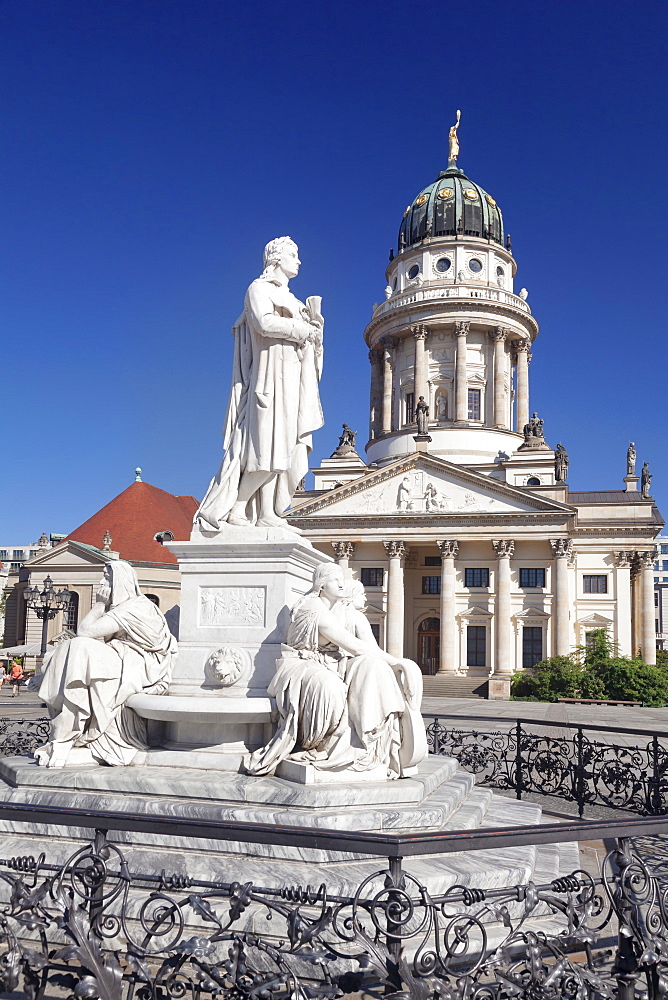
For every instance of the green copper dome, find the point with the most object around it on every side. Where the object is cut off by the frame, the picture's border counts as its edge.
(452, 205)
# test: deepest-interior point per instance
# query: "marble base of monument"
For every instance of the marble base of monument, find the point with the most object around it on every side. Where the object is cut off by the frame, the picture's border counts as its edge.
(441, 798)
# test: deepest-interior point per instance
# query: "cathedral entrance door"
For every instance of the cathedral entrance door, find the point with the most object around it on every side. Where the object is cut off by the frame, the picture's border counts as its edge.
(429, 645)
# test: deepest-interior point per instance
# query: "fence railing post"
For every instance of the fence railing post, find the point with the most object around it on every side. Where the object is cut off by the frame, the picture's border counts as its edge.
(654, 796)
(625, 966)
(579, 771)
(394, 880)
(518, 760)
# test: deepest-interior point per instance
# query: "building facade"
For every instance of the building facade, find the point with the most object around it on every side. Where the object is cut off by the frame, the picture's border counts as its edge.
(477, 558)
(661, 592)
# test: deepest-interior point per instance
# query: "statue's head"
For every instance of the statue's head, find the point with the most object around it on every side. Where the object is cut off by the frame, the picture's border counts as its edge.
(328, 577)
(119, 583)
(355, 594)
(281, 253)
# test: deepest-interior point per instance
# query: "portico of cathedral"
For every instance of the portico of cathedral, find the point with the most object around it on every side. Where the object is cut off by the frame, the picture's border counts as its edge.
(477, 558)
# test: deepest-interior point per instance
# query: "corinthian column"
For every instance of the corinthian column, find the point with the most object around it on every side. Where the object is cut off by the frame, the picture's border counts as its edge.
(461, 383)
(395, 597)
(504, 549)
(420, 369)
(448, 655)
(563, 550)
(386, 421)
(499, 337)
(648, 630)
(343, 552)
(522, 348)
(623, 562)
(375, 394)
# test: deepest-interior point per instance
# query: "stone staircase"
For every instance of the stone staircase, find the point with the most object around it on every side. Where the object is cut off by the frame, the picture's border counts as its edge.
(449, 686)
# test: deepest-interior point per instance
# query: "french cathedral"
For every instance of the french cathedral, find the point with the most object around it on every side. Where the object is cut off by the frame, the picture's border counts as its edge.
(476, 556)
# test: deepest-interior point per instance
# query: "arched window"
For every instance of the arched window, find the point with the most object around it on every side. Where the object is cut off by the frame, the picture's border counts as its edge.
(429, 645)
(164, 536)
(533, 481)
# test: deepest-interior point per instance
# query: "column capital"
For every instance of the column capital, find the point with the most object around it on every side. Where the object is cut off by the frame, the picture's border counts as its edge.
(645, 559)
(396, 549)
(562, 547)
(343, 550)
(388, 344)
(499, 333)
(624, 558)
(462, 327)
(375, 355)
(522, 346)
(448, 548)
(503, 547)
(420, 332)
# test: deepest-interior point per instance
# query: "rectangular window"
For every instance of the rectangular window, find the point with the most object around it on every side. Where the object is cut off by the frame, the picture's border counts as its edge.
(476, 643)
(4, 553)
(18, 554)
(475, 577)
(532, 645)
(474, 404)
(530, 577)
(664, 564)
(33, 552)
(432, 560)
(595, 584)
(664, 550)
(431, 585)
(15, 567)
(372, 576)
(375, 628)
(410, 407)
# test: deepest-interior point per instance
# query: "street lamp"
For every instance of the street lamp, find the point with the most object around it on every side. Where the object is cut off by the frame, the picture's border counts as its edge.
(46, 604)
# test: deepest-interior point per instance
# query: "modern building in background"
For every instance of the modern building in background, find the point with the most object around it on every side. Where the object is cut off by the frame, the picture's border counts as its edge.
(661, 592)
(477, 557)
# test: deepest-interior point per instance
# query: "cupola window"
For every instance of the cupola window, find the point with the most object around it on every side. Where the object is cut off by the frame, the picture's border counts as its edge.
(499, 272)
(443, 264)
(414, 271)
(475, 265)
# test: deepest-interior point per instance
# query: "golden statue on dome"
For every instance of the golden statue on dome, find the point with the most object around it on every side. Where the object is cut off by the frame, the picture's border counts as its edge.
(453, 142)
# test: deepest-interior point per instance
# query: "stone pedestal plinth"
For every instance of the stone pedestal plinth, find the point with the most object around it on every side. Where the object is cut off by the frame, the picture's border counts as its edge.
(498, 688)
(236, 593)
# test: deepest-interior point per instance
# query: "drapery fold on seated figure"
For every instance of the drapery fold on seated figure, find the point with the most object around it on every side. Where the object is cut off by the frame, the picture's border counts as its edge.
(337, 712)
(86, 681)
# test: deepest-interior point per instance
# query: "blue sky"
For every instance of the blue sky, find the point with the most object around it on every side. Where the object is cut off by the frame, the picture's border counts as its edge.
(152, 147)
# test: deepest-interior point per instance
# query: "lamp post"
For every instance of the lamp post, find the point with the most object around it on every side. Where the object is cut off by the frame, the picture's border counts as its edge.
(46, 604)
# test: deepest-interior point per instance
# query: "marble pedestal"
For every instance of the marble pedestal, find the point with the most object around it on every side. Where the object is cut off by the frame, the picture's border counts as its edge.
(236, 593)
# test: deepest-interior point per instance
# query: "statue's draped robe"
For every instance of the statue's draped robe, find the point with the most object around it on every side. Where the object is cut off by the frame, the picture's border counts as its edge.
(274, 404)
(86, 682)
(336, 712)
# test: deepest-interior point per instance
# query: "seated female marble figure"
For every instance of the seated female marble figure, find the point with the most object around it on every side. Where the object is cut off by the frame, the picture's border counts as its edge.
(344, 703)
(122, 646)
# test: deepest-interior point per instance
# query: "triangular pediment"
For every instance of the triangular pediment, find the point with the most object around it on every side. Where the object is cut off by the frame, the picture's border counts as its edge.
(531, 613)
(596, 621)
(423, 485)
(70, 553)
(475, 612)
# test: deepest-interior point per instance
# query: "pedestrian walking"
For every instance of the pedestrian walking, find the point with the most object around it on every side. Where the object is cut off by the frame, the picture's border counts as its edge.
(16, 678)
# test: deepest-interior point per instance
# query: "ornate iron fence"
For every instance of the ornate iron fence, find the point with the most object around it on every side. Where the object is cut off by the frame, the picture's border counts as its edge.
(22, 736)
(93, 928)
(575, 768)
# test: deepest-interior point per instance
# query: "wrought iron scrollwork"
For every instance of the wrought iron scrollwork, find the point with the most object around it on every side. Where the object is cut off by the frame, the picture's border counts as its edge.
(93, 928)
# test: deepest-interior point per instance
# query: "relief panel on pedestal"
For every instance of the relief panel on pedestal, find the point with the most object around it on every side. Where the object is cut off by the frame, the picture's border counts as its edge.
(231, 606)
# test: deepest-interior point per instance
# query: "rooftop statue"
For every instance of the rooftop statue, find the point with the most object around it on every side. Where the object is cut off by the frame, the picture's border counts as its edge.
(122, 646)
(631, 460)
(274, 404)
(645, 480)
(344, 703)
(346, 443)
(560, 464)
(453, 141)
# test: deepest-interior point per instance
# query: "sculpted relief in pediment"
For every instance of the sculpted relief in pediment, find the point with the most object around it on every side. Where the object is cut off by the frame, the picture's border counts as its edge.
(420, 492)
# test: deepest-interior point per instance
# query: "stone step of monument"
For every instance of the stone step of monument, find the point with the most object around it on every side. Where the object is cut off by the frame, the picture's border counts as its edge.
(449, 686)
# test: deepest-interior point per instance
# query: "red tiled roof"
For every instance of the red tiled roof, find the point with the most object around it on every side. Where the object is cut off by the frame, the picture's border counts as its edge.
(134, 517)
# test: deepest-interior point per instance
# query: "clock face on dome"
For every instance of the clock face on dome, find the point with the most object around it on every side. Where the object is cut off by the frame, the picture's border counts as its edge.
(471, 193)
(490, 200)
(421, 200)
(446, 193)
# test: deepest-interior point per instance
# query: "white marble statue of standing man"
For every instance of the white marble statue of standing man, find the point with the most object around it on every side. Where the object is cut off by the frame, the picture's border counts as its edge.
(274, 405)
